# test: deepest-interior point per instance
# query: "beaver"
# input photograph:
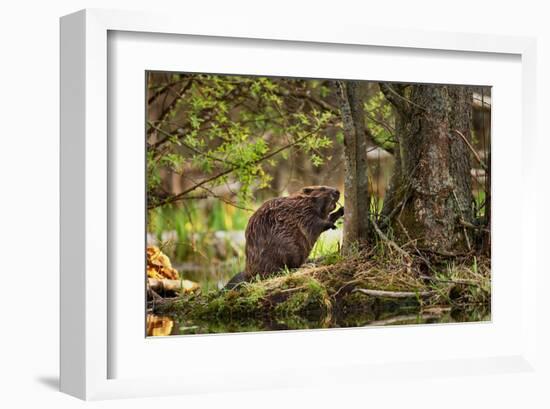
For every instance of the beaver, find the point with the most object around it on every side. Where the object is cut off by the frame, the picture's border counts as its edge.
(282, 232)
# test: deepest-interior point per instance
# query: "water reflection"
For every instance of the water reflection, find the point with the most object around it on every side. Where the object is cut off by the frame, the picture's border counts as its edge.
(159, 326)
(166, 325)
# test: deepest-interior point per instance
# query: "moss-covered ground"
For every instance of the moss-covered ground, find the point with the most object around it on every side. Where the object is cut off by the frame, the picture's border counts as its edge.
(363, 283)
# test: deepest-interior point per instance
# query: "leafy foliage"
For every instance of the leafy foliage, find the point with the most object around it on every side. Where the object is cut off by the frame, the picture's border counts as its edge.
(380, 120)
(214, 129)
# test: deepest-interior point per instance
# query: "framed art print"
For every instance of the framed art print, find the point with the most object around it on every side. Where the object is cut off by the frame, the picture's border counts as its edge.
(287, 207)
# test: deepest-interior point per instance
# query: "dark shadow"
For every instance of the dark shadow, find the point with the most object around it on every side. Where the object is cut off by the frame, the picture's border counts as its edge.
(51, 382)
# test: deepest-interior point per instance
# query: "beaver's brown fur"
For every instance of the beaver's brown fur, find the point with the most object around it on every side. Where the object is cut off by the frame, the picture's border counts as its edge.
(282, 232)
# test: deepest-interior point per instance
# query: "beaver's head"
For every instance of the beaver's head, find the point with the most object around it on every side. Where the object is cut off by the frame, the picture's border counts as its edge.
(326, 197)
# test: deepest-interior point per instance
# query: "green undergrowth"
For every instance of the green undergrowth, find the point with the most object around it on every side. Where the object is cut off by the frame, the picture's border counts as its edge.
(335, 287)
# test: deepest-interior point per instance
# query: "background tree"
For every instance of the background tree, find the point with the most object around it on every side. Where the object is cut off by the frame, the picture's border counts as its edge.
(356, 190)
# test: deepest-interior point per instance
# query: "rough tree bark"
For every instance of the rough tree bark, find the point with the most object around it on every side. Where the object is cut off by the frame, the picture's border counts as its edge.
(430, 197)
(356, 195)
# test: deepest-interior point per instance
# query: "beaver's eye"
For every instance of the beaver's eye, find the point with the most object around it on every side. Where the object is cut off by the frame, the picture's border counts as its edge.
(307, 191)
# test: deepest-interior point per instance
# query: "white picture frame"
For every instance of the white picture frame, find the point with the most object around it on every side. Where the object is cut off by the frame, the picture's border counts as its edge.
(90, 331)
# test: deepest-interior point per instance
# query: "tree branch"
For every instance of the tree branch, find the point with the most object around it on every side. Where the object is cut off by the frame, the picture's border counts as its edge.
(399, 101)
(391, 95)
(164, 114)
(371, 138)
(163, 89)
(320, 103)
(195, 150)
(179, 196)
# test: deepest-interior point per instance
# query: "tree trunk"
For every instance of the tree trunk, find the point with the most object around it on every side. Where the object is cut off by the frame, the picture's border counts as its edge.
(356, 195)
(431, 194)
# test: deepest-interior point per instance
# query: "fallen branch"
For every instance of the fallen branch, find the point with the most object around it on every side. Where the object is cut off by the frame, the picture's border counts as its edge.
(171, 285)
(394, 294)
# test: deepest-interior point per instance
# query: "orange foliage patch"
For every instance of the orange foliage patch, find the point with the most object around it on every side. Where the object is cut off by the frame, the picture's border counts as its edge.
(159, 266)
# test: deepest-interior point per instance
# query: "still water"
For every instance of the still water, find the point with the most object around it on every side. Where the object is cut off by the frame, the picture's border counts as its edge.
(172, 325)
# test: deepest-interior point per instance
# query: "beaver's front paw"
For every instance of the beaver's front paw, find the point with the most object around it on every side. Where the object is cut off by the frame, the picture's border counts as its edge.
(336, 215)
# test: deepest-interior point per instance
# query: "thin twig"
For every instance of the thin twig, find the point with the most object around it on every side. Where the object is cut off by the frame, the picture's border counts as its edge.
(483, 165)
(455, 281)
(195, 150)
(388, 127)
(413, 243)
(390, 95)
(227, 201)
(389, 241)
(162, 89)
(473, 226)
(164, 114)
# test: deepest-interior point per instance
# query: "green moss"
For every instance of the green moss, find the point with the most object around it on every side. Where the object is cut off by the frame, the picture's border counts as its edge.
(317, 294)
(244, 301)
(307, 296)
